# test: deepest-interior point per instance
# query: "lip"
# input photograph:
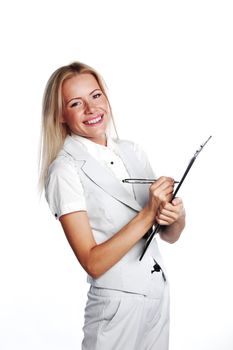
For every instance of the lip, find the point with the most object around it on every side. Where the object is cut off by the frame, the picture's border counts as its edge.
(92, 118)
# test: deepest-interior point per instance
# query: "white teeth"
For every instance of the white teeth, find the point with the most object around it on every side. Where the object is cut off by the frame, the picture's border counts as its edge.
(93, 121)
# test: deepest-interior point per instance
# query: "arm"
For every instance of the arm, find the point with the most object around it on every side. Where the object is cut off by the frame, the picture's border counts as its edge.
(98, 258)
(90, 255)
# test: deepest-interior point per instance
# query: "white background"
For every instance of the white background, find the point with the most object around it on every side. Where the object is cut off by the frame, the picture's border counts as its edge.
(168, 67)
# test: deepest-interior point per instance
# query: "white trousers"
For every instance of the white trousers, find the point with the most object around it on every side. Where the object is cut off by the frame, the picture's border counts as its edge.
(118, 320)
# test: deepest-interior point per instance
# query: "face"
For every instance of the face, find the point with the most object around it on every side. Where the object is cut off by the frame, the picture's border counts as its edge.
(86, 108)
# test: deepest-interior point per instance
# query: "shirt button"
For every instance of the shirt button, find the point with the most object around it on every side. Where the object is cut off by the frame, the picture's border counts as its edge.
(112, 162)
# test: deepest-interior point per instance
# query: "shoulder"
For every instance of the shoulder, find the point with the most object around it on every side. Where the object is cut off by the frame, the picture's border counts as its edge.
(63, 188)
(62, 164)
(61, 172)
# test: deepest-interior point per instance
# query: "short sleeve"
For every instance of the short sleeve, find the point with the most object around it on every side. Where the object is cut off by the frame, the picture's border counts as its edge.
(63, 188)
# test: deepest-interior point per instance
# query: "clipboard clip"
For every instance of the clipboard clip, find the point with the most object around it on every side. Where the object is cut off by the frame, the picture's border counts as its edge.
(201, 147)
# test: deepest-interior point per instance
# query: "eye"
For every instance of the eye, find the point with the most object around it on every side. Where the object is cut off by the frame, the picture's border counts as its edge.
(97, 95)
(76, 104)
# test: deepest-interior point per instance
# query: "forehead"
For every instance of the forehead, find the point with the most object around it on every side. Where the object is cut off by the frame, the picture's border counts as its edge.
(79, 85)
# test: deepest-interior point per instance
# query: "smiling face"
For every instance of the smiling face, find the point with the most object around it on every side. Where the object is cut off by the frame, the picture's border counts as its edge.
(86, 108)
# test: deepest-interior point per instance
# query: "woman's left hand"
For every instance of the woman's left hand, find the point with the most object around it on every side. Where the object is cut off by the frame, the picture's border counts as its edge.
(168, 213)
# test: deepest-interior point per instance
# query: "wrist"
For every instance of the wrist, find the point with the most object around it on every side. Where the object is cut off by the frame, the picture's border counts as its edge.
(148, 215)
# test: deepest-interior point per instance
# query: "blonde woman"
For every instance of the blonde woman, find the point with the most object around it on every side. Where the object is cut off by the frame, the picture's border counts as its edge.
(105, 221)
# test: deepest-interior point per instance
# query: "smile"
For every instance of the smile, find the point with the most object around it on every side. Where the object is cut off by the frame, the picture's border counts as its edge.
(94, 121)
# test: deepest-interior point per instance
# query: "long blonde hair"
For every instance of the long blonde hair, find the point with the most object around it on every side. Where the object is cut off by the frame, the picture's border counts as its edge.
(53, 133)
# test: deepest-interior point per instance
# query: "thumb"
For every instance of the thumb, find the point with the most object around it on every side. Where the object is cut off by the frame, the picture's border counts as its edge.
(176, 201)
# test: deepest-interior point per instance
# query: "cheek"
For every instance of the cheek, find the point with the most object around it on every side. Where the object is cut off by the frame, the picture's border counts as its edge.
(71, 117)
(107, 108)
(105, 104)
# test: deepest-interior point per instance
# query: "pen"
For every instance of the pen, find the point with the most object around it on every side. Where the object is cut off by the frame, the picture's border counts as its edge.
(142, 181)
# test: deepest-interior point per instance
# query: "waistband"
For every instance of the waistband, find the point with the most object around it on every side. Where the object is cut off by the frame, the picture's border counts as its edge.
(155, 290)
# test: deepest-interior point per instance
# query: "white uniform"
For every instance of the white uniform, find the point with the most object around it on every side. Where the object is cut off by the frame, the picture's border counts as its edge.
(128, 306)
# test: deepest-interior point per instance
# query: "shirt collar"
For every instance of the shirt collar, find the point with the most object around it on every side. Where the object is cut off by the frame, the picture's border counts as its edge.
(94, 148)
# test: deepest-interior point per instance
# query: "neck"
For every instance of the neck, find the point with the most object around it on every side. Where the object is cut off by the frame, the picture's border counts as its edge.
(100, 141)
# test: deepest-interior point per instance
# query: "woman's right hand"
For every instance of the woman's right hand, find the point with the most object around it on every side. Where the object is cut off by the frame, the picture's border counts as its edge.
(160, 191)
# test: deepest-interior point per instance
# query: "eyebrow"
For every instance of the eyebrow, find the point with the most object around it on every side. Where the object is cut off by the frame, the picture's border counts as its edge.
(76, 98)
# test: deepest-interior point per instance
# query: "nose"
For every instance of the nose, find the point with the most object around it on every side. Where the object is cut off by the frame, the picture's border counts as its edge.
(88, 107)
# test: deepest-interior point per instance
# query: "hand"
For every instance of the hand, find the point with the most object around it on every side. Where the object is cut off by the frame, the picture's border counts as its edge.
(160, 193)
(168, 213)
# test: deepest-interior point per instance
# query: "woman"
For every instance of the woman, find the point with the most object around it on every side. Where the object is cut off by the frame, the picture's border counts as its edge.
(105, 220)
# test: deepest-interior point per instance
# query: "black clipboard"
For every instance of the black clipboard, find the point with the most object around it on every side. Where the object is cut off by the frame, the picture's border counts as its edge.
(157, 227)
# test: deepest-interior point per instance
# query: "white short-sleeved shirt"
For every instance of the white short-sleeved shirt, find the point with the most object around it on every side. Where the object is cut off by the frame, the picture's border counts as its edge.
(63, 188)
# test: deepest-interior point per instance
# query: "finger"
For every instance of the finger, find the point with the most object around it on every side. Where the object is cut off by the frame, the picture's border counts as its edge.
(167, 206)
(167, 214)
(171, 211)
(163, 191)
(164, 221)
(175, 212)
(162, 196)
(166, 192)
(166, 188)
(176, 207)
(162, 181)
